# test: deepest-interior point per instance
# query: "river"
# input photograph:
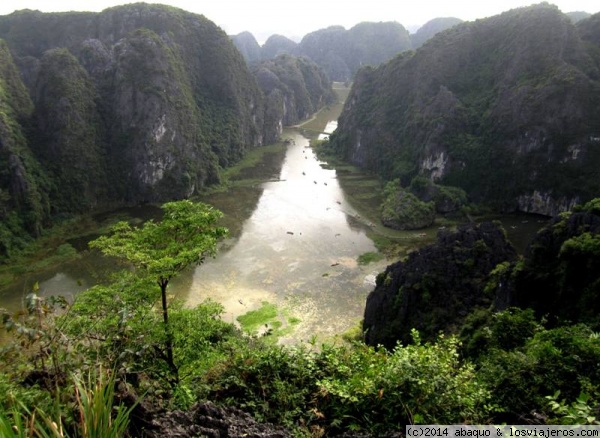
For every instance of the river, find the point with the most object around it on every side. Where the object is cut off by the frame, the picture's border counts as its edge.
(294, 243)
(298, 250)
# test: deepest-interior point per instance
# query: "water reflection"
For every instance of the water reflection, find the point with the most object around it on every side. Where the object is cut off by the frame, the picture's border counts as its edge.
(295, 241)
(297, 249)
(329, 128)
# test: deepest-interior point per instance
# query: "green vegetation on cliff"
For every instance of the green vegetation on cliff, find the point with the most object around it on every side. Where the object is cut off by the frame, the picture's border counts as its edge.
(295, 88)
(137, 103)
(67, 133)
(342, 52)
(24, 203)
(431, 28)
(402, 210)
(504, 108)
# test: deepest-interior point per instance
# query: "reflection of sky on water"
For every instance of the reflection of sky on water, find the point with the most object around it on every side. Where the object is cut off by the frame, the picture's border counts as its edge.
(295, 244)
(299, 229)
(66, 280)
(331, 126)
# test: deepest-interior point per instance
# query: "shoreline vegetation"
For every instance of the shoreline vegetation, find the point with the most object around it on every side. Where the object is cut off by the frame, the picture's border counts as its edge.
(364, 192)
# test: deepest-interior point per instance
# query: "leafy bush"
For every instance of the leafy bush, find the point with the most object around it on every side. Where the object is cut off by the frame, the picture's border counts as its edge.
(402, 210)
(363, 388)
(273, 383)
(484, 330)
(578, 412)
(564, 359)
(352, 388)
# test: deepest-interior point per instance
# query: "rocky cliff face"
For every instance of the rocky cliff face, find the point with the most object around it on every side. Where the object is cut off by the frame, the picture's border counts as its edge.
(175, 97)
(431, 28)
(342, 52)
(436, 287)
(277, 45)
(295, 88)
(137, 103)
(67, 133)
(560, 274)
(476, 268)
(24, 202)
(248, 46)
(504, 108)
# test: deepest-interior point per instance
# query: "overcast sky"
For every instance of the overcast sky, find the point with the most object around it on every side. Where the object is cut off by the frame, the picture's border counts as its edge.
(294, 18)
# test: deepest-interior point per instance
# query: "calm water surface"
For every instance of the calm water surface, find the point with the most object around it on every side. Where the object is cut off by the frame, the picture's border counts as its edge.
(297, 249)
(295, 242)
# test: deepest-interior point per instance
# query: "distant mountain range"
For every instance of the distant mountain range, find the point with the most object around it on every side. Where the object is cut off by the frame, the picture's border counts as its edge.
(342, 52)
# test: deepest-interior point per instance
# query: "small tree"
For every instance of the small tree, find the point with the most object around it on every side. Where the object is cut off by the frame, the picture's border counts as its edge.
(185, 236)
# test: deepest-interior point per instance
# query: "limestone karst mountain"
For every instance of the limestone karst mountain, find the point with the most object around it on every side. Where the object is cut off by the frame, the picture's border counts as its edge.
(504, 108)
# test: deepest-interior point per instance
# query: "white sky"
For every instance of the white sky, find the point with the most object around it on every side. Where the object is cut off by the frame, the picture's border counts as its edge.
(296, 18)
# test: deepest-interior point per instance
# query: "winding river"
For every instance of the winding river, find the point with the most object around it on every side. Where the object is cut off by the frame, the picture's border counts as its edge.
(294, 243)
(298, 249)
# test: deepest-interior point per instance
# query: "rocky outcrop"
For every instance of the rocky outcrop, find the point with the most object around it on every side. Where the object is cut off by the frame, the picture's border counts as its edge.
(577, 16)
(24, 200)
(207, 420)
(431, 28)
(166, 85)
(545, 203)
(401, 210)
(295, 88)
(137, 103)
(342, 52)
(437, 286)
(501, 107)
(248, 46)
(277, 45)
(560, 275)
(446, 199)
(67, 138)
(476, 267)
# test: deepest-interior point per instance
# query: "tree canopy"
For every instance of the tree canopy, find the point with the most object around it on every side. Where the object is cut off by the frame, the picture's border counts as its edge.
(186, 235)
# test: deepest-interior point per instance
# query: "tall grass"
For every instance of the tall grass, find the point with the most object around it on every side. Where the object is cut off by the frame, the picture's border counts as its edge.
(95, 415)
(95, 398)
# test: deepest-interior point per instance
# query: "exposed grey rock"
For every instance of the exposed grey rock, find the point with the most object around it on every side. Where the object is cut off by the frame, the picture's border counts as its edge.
(208, 420)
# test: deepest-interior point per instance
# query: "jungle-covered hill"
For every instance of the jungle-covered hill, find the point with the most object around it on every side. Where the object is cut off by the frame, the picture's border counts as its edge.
(504, 108)
(138, 103)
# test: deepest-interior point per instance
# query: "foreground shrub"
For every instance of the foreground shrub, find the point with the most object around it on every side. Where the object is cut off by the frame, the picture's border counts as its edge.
(372, 389)
(354, 388)
(563, 359)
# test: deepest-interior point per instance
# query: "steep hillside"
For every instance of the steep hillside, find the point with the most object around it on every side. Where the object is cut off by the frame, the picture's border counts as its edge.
(295, 87)
(505, 108)
(277, 45)
(67, 133)
(438, 286)
(136, 103)
(248, 46)
(431, 28)
(576, 16)
(24, 203)
(342, 52)
(169, 85)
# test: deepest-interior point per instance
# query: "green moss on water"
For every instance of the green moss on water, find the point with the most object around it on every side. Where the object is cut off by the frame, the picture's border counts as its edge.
(370, 257)
(268, 321)
(254, 319)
